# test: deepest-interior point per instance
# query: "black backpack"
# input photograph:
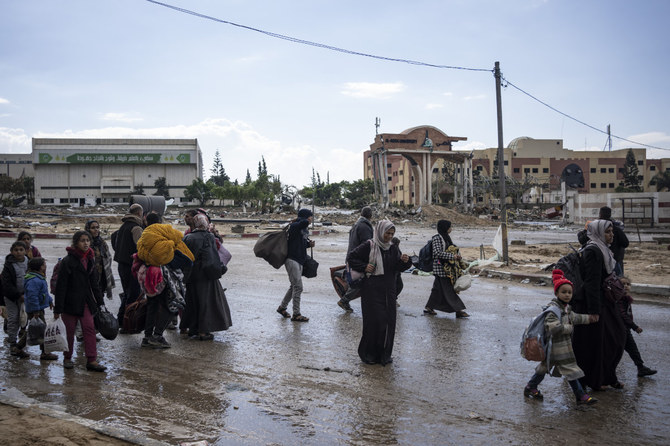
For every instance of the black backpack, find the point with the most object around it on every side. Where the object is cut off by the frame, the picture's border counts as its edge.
(426, 257)
(571, 265)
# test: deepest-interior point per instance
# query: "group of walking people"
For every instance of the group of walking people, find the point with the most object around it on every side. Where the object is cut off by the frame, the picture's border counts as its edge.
(592, 333)
(171, 273)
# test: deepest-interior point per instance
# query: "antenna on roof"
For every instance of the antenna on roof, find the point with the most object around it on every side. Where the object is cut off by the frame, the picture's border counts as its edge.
(378, 122)
(608, 143)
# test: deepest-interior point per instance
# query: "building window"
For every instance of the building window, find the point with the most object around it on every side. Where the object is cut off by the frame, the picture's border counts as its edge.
(480, 199)
(603, 185)
(436, 170)
(593, 170)
(516, 170)
(534, 169)
(526, 170)
(652, 167)
(390, 192)
(593, 185)
(611, 185)
(603, 170)
(611, 170)
(640, 162)
(400, 172)
(506, 163)
(47, 200)
(390, 178)
(640, 177)
(545, 170)
(480, 168)
(74, 200)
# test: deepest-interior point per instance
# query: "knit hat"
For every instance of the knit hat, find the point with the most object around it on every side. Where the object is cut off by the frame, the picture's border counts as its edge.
(304, 213)
(559, 279)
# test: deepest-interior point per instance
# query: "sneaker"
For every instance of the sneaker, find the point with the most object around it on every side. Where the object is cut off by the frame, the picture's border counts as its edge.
(345, 306)
(645, 371)
(533, 394)
(586, 399)
(48, 357)
(68, 364)
(145, 342)
(19, 352)
(158, 342)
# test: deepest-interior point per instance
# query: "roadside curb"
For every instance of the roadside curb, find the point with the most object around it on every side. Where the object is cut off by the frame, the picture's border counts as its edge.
(125, 434)
(544, 280)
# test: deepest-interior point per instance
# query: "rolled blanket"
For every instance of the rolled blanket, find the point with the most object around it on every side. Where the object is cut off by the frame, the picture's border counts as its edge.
(158, 243)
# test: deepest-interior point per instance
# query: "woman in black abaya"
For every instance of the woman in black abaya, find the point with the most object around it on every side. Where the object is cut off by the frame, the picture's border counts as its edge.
(598, 347)
(381, 261)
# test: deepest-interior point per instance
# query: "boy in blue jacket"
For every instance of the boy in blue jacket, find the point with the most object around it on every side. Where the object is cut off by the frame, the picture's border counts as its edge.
(37, 296)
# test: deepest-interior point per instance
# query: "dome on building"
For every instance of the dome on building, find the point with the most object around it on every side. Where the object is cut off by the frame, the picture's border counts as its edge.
(514, 144)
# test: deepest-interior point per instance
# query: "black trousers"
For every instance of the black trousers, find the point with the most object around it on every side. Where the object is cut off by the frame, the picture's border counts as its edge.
(131, 289)
(631, 348)
(158, 315)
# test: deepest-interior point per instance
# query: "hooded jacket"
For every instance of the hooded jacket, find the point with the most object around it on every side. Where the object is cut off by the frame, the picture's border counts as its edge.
(37, 296)
(12, 287)
(77, 285)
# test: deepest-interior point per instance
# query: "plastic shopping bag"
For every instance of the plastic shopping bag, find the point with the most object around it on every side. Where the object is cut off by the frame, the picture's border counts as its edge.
(54, 337)
(36, 327)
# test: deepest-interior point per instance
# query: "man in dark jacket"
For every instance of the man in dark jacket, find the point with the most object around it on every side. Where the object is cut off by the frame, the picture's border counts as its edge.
(360, 232)
(126, 245)
(298, 242)
(620, 243)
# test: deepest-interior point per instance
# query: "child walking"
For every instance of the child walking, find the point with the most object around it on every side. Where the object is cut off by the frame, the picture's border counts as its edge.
(37, 296)
(13, 274)
(562, 360)
(78, 296)
(626, 310)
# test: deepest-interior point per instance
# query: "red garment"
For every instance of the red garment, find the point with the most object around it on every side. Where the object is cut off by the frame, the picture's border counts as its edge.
(84, 257)
(559, 279)
(153, 278)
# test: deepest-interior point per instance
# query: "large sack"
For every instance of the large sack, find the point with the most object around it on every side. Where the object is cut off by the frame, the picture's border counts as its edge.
(135, 316)
(273, 247)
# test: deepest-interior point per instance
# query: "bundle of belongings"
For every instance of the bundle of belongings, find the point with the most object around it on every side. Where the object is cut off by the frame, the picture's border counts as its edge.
(159, 264)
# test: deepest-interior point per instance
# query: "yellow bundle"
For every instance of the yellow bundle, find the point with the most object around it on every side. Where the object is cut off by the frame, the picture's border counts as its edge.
(158, 243)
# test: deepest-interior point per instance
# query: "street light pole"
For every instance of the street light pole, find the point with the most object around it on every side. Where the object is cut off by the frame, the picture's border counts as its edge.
(501, 164)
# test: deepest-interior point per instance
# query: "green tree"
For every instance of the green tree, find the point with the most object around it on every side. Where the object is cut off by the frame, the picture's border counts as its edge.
(139, 189)
(219, 176)
(162, 188)
(247, 180)
(359, 193)
(631, 180)
(200, 191)
(661, 180)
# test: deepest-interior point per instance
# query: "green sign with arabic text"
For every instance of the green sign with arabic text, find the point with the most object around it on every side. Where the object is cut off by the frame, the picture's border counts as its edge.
(115, 158)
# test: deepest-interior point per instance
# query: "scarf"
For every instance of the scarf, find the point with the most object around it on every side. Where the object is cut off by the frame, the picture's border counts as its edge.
(379, 245)
(595, 230)
(84, 257)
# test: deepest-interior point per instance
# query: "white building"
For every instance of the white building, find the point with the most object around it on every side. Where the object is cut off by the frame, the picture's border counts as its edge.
(79, 172)
(16, 165)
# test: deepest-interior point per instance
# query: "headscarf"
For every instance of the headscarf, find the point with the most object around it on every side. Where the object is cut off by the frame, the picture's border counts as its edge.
(378, 245)
(99, 247)
(443, 229)
(596, 233)
(200, 222)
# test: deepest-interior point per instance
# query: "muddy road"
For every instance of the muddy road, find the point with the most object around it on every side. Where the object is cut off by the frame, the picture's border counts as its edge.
(268, 380)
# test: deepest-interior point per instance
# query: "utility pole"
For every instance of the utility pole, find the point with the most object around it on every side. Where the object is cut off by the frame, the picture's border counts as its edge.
(501, 165)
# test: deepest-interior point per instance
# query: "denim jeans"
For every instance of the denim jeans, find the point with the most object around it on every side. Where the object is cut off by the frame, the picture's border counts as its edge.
(294, 270)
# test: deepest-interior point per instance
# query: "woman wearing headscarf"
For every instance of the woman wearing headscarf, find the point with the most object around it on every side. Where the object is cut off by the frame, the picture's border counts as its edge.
(381, 261)
(598, 347)
(206, 304)
(447, 266)
(103, 258)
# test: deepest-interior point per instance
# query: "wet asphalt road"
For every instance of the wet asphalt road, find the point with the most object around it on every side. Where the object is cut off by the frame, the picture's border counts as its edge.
(268, 380)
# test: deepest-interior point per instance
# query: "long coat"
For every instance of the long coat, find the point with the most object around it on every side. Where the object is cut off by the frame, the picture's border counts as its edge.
(562, 361)
(378, 303)
(598, 347)
(77, 286)
(206, 304)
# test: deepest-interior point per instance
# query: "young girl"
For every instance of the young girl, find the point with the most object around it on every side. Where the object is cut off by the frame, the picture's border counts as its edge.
(561, 357)
(78, 296)
(27, 238)
(37, 296)
(625, 307)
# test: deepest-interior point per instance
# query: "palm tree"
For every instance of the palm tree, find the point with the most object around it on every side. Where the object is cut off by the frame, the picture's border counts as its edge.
(661, 181)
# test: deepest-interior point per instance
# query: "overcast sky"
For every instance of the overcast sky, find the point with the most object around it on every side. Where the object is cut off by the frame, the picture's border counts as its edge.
(135, 69)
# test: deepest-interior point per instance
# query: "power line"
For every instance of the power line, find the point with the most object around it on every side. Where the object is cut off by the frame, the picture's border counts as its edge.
(579, 121)
(391, 59)
(315, 44)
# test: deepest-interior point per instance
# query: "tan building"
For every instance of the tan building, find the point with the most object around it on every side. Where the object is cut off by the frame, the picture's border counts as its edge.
(16, 165)
(406, 167)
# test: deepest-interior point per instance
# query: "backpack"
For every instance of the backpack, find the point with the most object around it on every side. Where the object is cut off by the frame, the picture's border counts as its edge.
(571, 265)
(534, 342)
(426, 257)
(54, 277)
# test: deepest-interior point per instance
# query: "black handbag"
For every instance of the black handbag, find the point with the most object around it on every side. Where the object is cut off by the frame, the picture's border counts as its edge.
(106, 324)
(310, 266)
(211, 264)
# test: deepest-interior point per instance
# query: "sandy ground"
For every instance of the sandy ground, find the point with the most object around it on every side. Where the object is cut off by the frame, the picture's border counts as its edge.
(29, 427)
